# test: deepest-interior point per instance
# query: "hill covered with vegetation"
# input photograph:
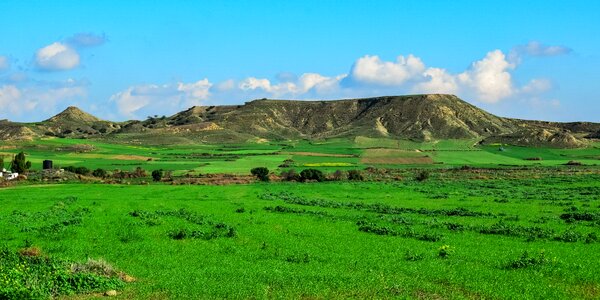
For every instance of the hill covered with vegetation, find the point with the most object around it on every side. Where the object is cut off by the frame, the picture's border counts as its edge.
(419, 118)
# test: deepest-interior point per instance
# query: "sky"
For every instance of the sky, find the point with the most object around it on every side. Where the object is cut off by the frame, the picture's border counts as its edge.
(124, 60)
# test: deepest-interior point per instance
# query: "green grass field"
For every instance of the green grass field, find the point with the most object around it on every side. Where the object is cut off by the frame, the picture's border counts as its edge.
(503, 228)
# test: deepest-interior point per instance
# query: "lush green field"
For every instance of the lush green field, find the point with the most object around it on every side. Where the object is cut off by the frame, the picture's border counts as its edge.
(493, 221)
(459, 234)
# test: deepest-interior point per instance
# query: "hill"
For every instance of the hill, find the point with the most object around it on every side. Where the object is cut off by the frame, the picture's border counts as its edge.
(415, 117)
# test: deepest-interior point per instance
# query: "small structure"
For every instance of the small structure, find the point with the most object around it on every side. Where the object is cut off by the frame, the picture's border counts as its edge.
(7, 175)
(47, 165)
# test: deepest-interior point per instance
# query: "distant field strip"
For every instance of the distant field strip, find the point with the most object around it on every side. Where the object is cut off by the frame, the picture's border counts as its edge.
(319, 154)
(394, 156)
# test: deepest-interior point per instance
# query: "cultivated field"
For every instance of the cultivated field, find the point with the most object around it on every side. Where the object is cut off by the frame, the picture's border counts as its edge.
(483, 222)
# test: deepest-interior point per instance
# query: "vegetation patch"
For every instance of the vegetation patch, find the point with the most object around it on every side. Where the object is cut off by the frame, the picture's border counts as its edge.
(28, 274)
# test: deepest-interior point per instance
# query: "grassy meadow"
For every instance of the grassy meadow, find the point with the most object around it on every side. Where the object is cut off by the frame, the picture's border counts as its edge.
(504, 227)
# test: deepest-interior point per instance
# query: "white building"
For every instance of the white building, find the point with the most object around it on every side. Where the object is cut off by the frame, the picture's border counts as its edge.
(8, 175)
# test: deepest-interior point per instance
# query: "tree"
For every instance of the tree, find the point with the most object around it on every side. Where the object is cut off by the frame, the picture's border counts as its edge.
(261, 173)
(157, 175)
(1, 163)
(19, 163)
(312, 174)
(100, 173)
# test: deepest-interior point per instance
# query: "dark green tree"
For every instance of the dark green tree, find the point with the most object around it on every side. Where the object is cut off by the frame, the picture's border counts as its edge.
(312, 174)
(157, 175)
(261, 173)
(19, 163)
(1, 163)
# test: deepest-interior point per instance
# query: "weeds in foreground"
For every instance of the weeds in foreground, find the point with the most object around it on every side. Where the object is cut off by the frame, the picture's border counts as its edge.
(28, 274)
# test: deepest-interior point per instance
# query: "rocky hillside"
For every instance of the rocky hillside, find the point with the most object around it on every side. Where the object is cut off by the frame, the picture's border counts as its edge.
(415, 117)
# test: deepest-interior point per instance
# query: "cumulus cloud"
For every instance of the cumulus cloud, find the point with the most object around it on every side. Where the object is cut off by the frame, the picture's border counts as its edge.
(64, 55)
(437, 81)
(372, 70)
(488, 80)
(161, 99)
(57, 56)
(86, 40)
(4, 63)
(19, 100)
(489, 77)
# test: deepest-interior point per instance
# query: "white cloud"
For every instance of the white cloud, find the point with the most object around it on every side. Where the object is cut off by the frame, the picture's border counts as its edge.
(489, 78)
(18, 102)
(4, 63)
(86, 39)
(537, 86)
(160, 99)
(57, 56)
(440, 82)
(536, 49)
(372, 70)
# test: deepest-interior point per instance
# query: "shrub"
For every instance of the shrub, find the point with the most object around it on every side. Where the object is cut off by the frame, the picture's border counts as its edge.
(355, 175)
(312, 174)
(444, 251)
(422, 175)
(573, 163)
(533, 158)
(139, 172)
(78, 170)
(157, 175)
(287, 163)
(337, 175)
(261, 173)
(526, 260)
(290, 175)
(100, 173)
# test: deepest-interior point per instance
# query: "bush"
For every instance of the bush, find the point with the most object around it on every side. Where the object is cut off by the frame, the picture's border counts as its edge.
(422, 175)
(290, 175)
(78, 170)
(444, 251)
(312, 174)
(261, 173)
(157, 175)
(525, 261)
(100, 173)
(355, 175)
(338, 175)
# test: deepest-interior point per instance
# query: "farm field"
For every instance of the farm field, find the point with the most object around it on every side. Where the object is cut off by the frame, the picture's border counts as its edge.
(328, 156)
(461, 234)
(485, 221)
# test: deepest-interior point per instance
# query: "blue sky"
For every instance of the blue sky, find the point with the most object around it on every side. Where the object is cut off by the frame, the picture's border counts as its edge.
(130, 59)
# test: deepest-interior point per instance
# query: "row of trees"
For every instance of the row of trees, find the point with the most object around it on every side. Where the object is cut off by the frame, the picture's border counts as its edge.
(262, 174)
